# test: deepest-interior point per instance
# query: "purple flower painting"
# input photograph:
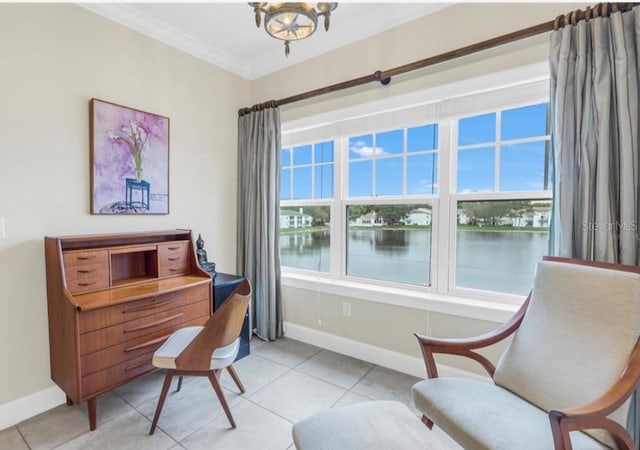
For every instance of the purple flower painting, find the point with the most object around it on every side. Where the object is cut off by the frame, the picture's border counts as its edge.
(129, 160)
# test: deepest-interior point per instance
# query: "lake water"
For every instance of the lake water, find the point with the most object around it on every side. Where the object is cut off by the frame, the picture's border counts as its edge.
(501, 261)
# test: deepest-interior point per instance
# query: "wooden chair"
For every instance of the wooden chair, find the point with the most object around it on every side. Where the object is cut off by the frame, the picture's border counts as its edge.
(565, 377)
(205, 350)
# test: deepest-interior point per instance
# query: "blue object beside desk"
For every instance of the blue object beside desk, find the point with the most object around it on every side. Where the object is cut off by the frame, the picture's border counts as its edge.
(223, 286)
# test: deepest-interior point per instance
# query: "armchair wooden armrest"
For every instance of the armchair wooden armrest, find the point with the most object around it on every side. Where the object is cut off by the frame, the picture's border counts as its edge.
(465, 346)
(594, 414)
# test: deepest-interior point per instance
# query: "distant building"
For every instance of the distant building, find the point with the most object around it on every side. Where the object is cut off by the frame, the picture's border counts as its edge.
(418, 216)
(539, 217)
(370, 220)
(294, 219)
(463, 219)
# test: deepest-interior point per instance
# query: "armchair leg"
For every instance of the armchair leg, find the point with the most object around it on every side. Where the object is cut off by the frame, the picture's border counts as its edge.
(427, 422)
(236, 378)
(223, 401)
(163, 396)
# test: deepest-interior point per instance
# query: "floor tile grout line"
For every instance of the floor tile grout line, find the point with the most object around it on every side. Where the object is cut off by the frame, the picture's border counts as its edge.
(298, 364)
(289, 369)
(373, 366)
(327, 381)
(207, 424)
(270, 360)
(22, 436)
(268, 410)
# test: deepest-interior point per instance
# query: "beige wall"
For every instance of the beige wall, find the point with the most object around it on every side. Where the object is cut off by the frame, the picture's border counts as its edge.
(388, 326)
(385, 326)
(53, 59)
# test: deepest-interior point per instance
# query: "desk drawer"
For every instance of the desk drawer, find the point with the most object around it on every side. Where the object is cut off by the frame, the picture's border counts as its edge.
(173, 259)
(112, 315)
(106, 337)
(86, 271)
(128, 350)
(115, 375)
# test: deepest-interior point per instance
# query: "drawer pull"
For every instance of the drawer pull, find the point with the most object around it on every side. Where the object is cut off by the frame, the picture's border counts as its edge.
(86, 270)
(147, 344)
(153, 324)
(86, 258)
(86, 284)
(174, 259)
(137, 366)
(173, 248)
(145, 307)
(175, 269)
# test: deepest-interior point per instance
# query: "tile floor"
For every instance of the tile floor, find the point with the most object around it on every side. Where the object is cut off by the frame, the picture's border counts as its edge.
(286, 380)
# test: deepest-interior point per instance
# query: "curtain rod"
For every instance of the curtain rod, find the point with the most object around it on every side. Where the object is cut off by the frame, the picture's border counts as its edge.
(384, 77)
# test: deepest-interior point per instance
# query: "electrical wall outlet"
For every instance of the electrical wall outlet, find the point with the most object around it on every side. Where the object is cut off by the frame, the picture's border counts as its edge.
(346, 309)
(3, 229)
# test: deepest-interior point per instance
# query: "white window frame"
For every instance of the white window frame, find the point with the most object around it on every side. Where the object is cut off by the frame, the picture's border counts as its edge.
(490, 93)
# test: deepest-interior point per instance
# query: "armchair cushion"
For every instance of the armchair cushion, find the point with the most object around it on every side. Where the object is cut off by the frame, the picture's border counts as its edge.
(576, 337)
(482, 416)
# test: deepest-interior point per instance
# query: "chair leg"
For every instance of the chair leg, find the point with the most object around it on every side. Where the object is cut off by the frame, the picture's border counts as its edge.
(179, 384)
(236, 378)
(163, 396)
(223, 401)
(427, 422)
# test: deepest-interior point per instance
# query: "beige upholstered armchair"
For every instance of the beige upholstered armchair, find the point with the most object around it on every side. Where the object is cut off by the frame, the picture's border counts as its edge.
(566, 377)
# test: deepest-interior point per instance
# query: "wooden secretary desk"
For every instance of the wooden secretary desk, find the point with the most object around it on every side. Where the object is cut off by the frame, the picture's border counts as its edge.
(113, 300)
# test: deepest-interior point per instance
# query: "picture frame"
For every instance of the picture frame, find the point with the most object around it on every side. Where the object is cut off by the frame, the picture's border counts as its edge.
(129, 160)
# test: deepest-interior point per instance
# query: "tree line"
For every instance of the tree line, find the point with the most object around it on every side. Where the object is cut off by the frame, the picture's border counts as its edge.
(485, 212)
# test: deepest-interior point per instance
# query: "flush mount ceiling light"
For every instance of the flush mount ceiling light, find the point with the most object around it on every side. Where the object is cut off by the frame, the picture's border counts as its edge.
(292, 21)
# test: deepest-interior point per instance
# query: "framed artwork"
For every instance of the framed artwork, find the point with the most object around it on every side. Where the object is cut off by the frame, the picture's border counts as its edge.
(129, 160)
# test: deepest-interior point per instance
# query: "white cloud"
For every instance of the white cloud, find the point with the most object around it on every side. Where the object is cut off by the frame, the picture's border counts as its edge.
(363, 150)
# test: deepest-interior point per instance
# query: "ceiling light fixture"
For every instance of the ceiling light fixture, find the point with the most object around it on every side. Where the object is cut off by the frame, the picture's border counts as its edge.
(291, 21)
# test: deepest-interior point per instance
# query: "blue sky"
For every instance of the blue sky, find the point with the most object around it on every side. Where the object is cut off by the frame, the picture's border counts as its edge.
(521, 165)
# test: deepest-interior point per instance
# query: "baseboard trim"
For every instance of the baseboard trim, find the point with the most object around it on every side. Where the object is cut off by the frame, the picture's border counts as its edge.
(401, 362)
(23, 408)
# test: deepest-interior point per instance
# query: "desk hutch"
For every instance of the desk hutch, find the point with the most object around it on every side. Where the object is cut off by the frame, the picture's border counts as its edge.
(112, 301)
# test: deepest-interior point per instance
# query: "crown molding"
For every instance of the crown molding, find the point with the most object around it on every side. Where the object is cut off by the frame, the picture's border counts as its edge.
(160, 31)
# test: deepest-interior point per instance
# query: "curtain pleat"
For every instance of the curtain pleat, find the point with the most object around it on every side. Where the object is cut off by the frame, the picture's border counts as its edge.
(258, 252)
(594, 113)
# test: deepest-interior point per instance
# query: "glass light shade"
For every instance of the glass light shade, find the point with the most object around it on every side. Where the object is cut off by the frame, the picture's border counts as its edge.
(290, 21)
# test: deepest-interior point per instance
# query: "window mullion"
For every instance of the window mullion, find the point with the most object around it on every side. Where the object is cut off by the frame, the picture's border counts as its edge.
(441, 258)
(497, 152)
(338, 221)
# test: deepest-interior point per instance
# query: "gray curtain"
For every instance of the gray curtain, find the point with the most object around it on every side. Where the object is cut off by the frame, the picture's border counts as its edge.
(594, 112)
(258, 256)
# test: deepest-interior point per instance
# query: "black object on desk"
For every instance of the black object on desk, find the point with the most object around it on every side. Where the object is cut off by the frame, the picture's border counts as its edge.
(223, 286)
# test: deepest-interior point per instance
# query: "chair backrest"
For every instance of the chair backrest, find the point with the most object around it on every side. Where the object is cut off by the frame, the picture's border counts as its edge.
(222, 328)
(582, 324)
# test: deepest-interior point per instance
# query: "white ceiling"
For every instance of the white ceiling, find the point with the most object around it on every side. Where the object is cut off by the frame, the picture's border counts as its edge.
(225, 34)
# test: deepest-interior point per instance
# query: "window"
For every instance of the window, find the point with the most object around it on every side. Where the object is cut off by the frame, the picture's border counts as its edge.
(307, 175)
(390, 242)
(455, 204)
(307, 172)
(499, 238)
(395, 162)
(304, 237)
(499, 243)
